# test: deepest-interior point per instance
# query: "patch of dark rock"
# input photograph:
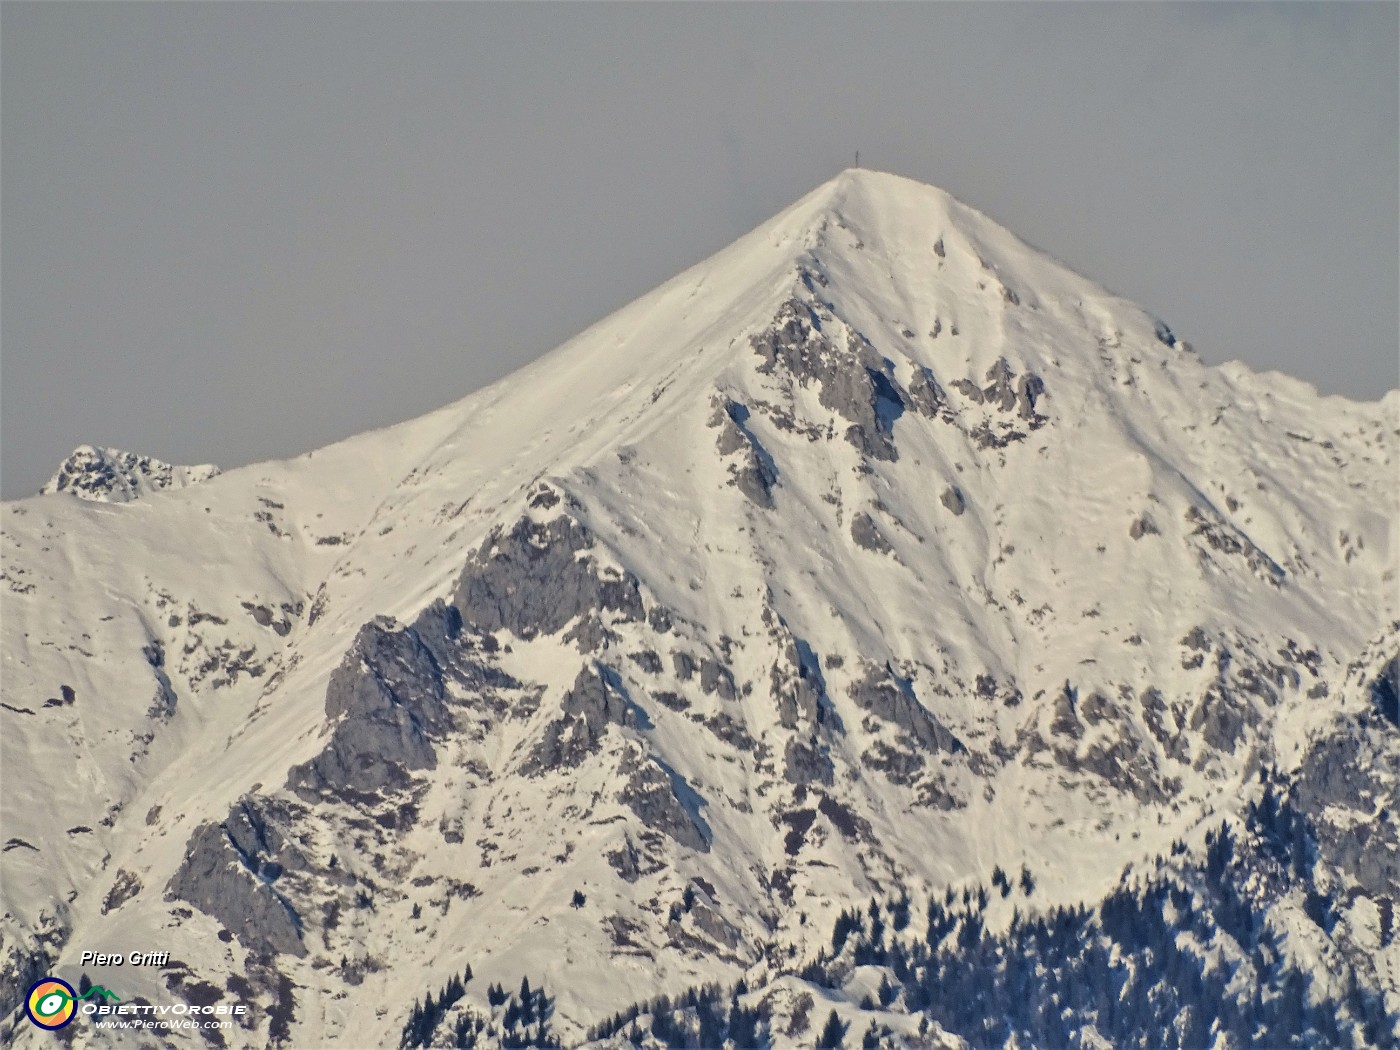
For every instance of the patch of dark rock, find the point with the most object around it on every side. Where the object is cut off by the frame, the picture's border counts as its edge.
(867, 534)
(1029, 389)
(1197, 639)
(757, 472)
(626, 861)
(1342, 771)
(843, 818)
(854, 382)
(684, 665)
(715, 926)
(1096, 708)
(952, 498)
(968, 389)
(1225, 538)
(935, 794)
(282, 1013)
(731, 732)
(1125, 767)
(1385, 692)
(898, 766)
(590, 634)
(926, 396)
(716, 678)
(1065, 714)
(799, 687)
(806, 762)
(1221, 719)
(1000, 391)
(985, 437)
(647, 660)
(799, 822)
(126, 886)
(1143, 526)
(544, 498)
(659, 618)
(14, 842)
(674, 701)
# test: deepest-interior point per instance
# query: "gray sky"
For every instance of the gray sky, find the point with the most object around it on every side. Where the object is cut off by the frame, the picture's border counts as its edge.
(236, 231)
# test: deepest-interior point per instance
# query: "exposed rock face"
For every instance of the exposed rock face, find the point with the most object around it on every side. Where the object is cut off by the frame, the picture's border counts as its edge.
(886, 696)
(716, 678)
(109, 475)
(1000, 391)
(952, 498)
(1029, 389)
(1349, 776)
(1385, 692)
(754, 473)
(386, 700)
(530, 581)
(230, 871)
(927, 397)
(1216, 534)
(797, 684)
(853, 381)
(806, 762)
(654, 795)
(1143, 526)
(596, 699)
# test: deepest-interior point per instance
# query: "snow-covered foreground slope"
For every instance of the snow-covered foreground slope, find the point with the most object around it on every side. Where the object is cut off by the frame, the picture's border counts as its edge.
(875, 552)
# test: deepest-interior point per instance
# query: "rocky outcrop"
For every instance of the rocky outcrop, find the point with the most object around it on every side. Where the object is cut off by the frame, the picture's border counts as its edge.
(754, 472)
(1347, 786)
(1385, 692)
(868, 535)
(928, 398)
(596, 699)
(799, 688)
(230, 873)
(890, 698)
(852, 381)
(109, 475)
(531, 581)
(654, 794)
(386, 701)
(807, 762)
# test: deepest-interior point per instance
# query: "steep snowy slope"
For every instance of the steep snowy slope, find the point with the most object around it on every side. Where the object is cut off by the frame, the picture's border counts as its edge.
(877, 550)
(110, 475)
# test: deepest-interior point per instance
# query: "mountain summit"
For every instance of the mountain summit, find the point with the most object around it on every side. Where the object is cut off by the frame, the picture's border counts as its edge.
(878, 558)
(109, 475)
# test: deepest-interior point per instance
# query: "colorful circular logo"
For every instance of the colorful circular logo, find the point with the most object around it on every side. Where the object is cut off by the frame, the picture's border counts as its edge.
(50, 1003)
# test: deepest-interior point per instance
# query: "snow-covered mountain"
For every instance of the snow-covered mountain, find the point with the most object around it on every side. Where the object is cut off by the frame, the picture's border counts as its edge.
(110, 475)
(872, 556)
